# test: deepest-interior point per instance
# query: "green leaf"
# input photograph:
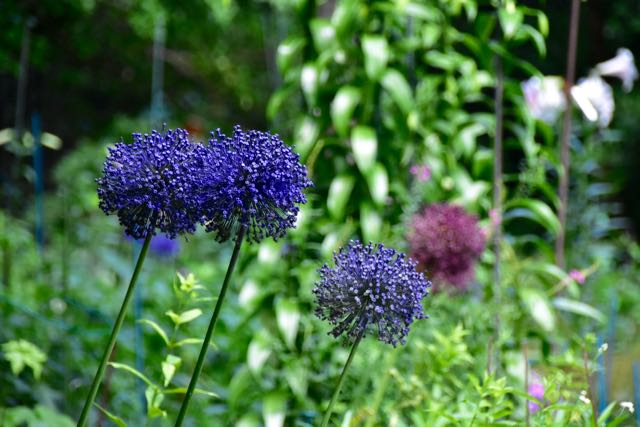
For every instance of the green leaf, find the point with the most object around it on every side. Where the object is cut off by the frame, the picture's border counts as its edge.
(398, 88)
(133, 371)
(288, 51)
(534, 210)
(370, 223)
(339, 193)
(538, 39)
(309, 78)
(323, 34)
(274, 409)
(51, 141)
(465, 143)
(184, 317)
(364, 146)
(156, 328)
(258, 352)
(183, 390)
(306, 135)
(510, 19)
(21, 353)
(539, 308)
(376, 55)
(154, 399)
(188, 341)
(114, 418)
(169, 367)
(378, 182)
(330, 244)
(288, 319)
(342, 108)
(578, 307)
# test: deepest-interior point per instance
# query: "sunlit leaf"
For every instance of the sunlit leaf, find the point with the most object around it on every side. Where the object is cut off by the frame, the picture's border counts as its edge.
(376, 55)
(397, 86)
(578, 307)
(364, 146)
(339, 193)
(156, 328)
(342, 107)
(378, 182)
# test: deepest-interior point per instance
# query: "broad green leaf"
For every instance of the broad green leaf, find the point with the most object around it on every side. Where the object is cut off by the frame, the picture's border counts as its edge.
(339, 193)
(297, 376)
(376, 55)
(539, 308)
(154, 399)
(249, 294)
(250, 420)
(378, 182)
(323, 33)
(309, 78)
(346, 12)
(288, 318)
(364, 146)
(156, 328)
(510, 19)
(190, 341)
(578, 307)
(184, 317)
(342, 108)
(535, 210)
(330, 244)
(306, 135)
(538, 39)
(370, 222)
(398, 88)
(274, 409)
(133, 371)
(465, 143)
(51, 141)
(269, 252)
(288, 52)
(114, 418)
(258, 352)
(169, 366)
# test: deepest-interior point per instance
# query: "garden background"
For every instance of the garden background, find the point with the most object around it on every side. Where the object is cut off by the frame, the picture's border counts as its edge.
(392, 106)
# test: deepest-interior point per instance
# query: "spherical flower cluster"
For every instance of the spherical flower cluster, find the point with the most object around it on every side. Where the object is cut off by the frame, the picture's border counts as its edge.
(371, 289)
(536, 389)
(152, 184)
(254, 181)
(446, 241)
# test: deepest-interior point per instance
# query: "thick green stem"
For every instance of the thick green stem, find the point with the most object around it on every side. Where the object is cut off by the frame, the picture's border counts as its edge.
(336, 393)
(210, 329)
(114, 334)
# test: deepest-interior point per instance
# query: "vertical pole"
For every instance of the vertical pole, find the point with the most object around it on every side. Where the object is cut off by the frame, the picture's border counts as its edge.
(36, 130)
(602, 379)
(497, 207)
(563, 186)
(636, 390)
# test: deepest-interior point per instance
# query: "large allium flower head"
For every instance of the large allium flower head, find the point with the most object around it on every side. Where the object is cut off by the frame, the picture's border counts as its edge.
(370, 290)
(151, 184)
(255, 181)
(446, 241)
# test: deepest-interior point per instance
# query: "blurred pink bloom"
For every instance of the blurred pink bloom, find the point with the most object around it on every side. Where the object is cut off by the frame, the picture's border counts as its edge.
(622, 66)
(495, 217)
(544, 97)
(422, 172)
(578, 276)
(595, 98)
(536, 389)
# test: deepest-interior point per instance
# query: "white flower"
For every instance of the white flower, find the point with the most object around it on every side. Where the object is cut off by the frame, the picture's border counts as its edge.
(622, 67)
(544, 97)
(583, 397)
(603, 348)
(628, 406)
(595, 98)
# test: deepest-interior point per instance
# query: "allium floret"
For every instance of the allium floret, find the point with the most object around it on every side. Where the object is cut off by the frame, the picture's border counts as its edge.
(371, 290)
(255, 181)
(446, 241)
(152, 184)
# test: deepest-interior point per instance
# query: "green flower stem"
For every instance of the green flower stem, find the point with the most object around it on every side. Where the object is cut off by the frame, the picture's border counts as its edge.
(212, 326)
(114, 334)
(334, 399)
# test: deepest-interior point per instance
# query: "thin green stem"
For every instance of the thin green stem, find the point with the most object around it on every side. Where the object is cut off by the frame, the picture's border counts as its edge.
(334, 399)
(114, 334)
(210, 329)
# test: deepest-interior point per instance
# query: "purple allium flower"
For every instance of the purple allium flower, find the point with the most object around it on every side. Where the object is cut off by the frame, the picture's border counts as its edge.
(446, 241)
(163, 246)
(371, 288)
(536, 389)
(152, 184)
(255, 181)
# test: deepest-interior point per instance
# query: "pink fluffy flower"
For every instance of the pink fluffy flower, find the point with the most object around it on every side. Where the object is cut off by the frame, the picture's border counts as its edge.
(421, 172)
(578, 276)
(447, 242)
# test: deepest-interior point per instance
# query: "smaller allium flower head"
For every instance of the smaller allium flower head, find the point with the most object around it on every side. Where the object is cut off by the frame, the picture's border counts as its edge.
(255, 181)
(371, 289)
(446, 241)
(152, 183)
(164, 247)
